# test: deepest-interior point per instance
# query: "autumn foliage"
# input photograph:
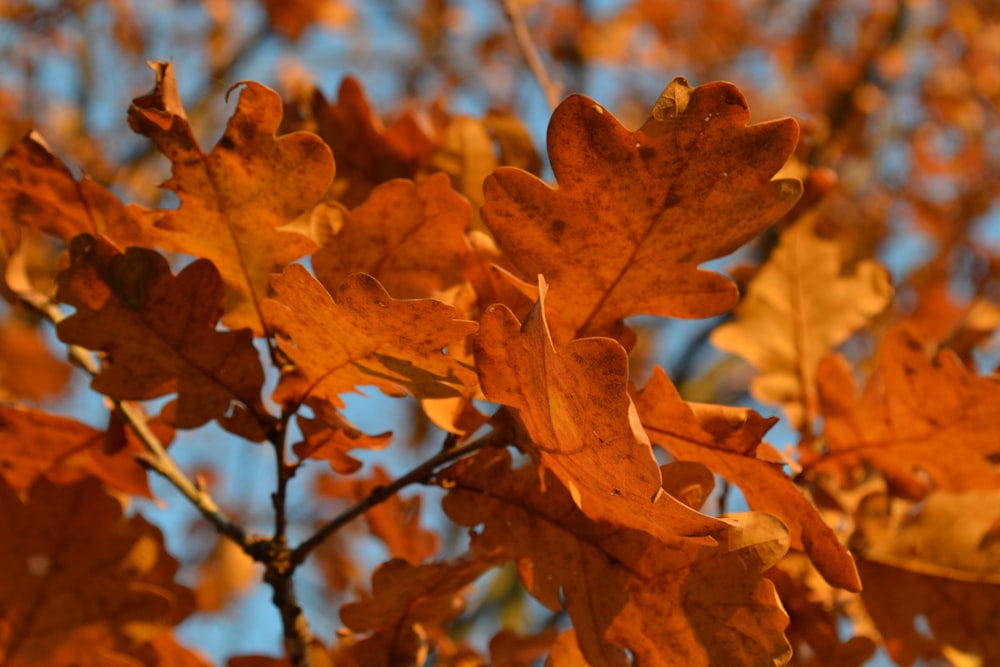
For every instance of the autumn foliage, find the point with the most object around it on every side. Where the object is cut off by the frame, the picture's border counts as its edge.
(599, 488)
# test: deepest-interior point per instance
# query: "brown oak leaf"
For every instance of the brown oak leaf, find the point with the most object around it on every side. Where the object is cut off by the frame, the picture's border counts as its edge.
(408, 603)
(158, 333)
(727, 443)
(36, 444)
(409, 236)
(635, 213)
(362, 336)
(79, 577)
(918, 420)
(235, 199)
(580, 422)
(38, 190)
(798, 307)
(329, 437)
(28, 369)
(668, 603)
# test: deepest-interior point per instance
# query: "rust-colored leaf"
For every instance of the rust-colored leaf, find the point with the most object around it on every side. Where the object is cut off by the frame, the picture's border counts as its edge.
(38, 190)
(28, 370)
(330, 437)
(668, 603)
(79, 577)
(408, 602)
(637, 212)
(727, 443)
(362, 336)
(580, 422)
(158, 332)
(36, 444)
(235, 199)
(799, 307)
(918, 418)
(410, 237)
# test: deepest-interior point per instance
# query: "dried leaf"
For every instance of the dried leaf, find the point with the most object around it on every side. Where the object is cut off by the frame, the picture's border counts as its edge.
(730, 449)
(329, 437)
(917, 418)
(798, 307)
(636, 213)
(79, 577)
(362, 336)
(234, 199)
(28, 370)
(580, 422)
(668, 603)
(410, 237)
(159, 334)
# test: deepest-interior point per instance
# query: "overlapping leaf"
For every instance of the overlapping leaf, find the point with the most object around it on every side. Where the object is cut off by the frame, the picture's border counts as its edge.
(917, 418)
(362, 336)
(36, 444)
(28, 368)
(637, 212)
(580, 421)
(668, 603)
(408, 602)
(38, 190)
(411, 237)
(234, 199)
(80, 578)
(158, 332)
(799, 307)
(728, 444)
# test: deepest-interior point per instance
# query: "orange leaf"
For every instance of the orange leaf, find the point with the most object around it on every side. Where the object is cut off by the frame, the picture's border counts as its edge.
(27, 367)
(234, 199)
(79, 577)
(668, 603)
(362, 336)
(411, 237)
(637, 212)
(37, 444)
(580, 421)
(916, 418)
(407, 601)
(730, 449)
(38, 190)
(797, 308)
(158, 331)
(330, 437)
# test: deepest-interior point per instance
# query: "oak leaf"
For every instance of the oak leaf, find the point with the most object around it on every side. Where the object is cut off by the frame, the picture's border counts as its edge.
(668, 603)
(798, 307)
(580, 422)
(158, 332)
(79, 577)
(362, 336)
(727, 442)
(635, 213)
(919, 420)
(37, 190)
(408, 603)
(409, 236)
(235, 199)
(38, 444)
(28, 370)
(329, 437)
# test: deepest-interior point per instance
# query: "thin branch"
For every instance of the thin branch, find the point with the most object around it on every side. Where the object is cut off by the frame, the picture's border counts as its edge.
(155, 458)
(380, 494)
(529, 52)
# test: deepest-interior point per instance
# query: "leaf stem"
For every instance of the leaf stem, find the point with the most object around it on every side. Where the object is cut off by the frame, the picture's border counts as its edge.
(380, 494)
(530, 53)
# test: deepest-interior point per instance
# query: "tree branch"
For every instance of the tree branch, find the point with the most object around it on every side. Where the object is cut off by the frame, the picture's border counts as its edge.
(529, 52)
(380, 494)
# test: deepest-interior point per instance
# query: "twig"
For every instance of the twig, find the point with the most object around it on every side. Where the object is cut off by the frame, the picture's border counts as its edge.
(380, 494)
(529, 52)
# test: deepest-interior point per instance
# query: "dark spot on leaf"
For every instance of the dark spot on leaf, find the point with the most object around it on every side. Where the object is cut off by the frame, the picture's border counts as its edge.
(227, 143)
(646, 152)
(556, 229)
